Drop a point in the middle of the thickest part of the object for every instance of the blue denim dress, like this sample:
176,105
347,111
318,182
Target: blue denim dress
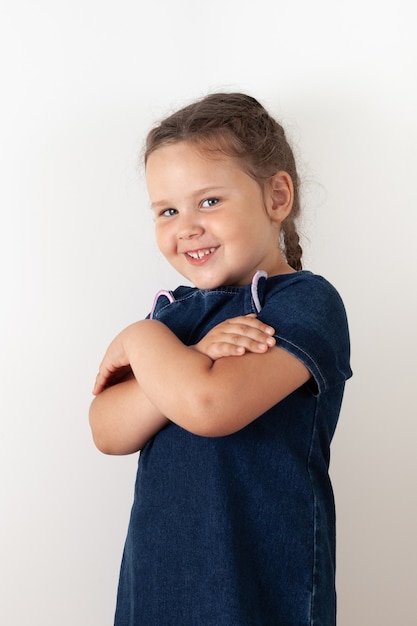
240,530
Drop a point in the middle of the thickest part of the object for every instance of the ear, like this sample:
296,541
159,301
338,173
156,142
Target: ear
280,197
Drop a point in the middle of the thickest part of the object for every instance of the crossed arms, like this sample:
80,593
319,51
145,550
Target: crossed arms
148,377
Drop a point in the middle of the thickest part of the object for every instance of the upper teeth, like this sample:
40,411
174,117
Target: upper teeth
198,254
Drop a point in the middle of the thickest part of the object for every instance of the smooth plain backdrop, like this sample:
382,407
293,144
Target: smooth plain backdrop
81,83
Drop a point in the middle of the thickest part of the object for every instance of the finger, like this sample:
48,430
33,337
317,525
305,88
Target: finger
251,321
108,378
220,350
230,341
253,344
236,344
100,383
103,377
98,387
238,332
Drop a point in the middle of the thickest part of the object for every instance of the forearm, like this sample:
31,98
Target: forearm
122,419
173,375
206,397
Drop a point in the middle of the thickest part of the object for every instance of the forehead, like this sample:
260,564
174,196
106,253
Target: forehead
184,162
189,152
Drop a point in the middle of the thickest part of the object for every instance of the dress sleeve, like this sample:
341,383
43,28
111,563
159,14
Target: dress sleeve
310,322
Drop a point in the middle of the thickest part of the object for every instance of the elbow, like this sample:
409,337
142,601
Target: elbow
216,427
205,418
101,441
113,447
107,439
102,444
211,428
212,431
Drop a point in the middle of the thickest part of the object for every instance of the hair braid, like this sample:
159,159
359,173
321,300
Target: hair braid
291,241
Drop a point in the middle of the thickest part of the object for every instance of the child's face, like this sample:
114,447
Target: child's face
213,222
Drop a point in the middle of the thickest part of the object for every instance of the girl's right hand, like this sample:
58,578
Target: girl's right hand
236,336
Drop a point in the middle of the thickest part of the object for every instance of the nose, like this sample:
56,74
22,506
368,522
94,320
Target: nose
189,226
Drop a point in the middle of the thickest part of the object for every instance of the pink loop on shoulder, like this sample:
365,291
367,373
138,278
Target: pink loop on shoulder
163,292
254,288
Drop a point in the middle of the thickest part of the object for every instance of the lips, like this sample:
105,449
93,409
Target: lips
200,254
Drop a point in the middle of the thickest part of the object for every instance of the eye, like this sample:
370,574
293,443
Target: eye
209,202
168,212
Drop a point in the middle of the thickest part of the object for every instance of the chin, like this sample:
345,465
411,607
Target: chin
206,283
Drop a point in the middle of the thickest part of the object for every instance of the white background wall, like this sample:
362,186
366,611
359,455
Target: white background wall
81,83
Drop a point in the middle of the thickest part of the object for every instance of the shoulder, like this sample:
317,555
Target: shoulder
303,296
301,284
310,321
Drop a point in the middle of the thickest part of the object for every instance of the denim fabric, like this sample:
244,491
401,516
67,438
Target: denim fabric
240,530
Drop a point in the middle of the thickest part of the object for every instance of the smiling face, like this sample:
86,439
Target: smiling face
214,224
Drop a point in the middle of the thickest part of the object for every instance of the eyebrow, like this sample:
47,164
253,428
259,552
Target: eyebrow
198,192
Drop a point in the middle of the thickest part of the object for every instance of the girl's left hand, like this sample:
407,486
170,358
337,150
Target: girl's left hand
235,336
115,366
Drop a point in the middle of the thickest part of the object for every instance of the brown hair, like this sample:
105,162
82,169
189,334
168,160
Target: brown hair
237,125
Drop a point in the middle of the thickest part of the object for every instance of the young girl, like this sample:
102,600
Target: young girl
231,389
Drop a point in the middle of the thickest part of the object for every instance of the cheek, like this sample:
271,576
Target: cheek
163,239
